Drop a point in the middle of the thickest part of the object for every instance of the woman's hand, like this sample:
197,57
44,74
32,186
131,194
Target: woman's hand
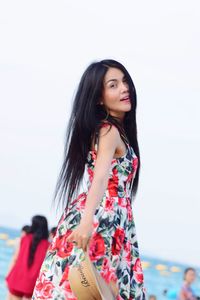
82,233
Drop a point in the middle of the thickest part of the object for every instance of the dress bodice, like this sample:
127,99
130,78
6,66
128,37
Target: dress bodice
121,174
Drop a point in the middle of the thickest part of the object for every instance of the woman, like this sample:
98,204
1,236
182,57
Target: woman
186,292
28,259
102,141
25,230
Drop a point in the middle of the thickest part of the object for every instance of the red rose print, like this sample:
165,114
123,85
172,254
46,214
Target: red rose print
116,264
91,174
96,247
81,201
115,173
113,188
130,176
129,211
137,269
44,288
62,247
122,202
135,163
118,239
113,184
107,272
127,248
109,203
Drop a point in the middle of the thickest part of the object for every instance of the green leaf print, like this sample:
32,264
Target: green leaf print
125,279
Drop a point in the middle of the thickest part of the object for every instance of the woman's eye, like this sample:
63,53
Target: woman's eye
113,85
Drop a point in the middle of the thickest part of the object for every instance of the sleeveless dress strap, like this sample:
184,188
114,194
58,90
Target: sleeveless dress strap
96,141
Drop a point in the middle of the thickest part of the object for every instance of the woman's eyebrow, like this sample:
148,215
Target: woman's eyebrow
114,79
111,80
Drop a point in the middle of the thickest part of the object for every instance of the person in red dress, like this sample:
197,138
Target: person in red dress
28,259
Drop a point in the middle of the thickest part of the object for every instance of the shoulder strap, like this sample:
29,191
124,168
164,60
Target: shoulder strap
96,140
124,138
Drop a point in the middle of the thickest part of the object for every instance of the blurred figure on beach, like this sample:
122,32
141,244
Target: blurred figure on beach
25,229
27,260
152,297
186,292
52,233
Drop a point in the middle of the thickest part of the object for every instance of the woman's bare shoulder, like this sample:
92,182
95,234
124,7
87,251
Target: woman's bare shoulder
109,129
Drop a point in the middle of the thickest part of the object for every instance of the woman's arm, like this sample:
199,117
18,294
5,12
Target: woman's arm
109,139
14,257
108,142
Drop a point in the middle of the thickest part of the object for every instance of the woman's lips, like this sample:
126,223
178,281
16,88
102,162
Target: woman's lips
126,100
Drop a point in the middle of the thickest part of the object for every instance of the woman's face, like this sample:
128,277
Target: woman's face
115,96
190,276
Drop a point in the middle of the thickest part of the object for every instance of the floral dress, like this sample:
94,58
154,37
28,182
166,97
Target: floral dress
113,247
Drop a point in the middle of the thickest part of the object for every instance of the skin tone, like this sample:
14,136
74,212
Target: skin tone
152,298
116,94
189,278
116,102
18,298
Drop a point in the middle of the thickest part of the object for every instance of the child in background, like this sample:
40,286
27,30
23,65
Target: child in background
28,259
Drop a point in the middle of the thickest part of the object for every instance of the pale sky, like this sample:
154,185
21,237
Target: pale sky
45,47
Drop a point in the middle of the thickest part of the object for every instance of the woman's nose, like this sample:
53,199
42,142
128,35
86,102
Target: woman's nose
124,87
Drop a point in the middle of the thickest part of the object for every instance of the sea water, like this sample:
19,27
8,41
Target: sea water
158,274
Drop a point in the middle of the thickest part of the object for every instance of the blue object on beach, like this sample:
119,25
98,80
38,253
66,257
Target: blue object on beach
172,294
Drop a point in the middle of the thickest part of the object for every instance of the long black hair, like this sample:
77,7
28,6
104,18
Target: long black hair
86,116
39,229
